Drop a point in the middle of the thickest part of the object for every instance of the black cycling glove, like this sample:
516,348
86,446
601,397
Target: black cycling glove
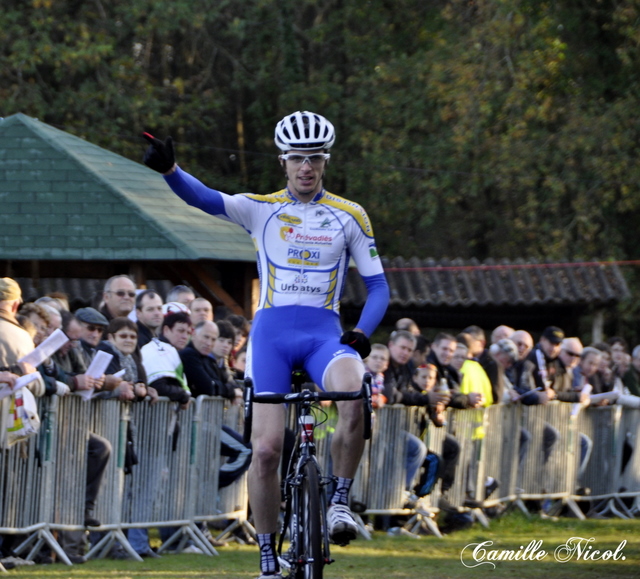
159,156
358,341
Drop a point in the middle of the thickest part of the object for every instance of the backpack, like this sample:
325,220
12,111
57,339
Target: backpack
428,474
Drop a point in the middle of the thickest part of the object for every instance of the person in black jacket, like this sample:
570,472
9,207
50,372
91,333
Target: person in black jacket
149,316
204,375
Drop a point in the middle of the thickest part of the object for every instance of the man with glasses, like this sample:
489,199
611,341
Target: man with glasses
118,298
305,237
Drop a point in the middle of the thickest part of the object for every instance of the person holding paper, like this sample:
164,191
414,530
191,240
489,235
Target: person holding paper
8,378
69,359
122,345
15,341
54,379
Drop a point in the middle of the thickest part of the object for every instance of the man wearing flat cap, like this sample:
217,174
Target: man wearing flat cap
92,324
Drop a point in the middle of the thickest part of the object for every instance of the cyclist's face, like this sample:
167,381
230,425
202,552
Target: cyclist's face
304,180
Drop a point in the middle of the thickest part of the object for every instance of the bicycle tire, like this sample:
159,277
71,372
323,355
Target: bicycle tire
310,525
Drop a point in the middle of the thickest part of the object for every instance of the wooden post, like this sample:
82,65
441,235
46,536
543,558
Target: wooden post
597,329
139,275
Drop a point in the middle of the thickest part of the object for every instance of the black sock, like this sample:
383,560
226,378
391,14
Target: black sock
341,494
268,561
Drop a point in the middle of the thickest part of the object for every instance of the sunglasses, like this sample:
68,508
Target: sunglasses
572,354
91,328
315,159
122,293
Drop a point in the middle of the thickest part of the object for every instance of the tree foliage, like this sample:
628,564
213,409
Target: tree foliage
467,128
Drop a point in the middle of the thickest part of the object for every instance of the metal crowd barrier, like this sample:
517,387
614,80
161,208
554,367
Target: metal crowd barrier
467,427
323,438
175,483
501,450
230,503
551,464
600,423
615,429
26,471
629,441
110,419
71,425
158,491
386,491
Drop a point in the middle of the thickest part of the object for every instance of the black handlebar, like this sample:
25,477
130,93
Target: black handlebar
306,395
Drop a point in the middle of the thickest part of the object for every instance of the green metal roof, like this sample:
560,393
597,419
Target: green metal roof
64,198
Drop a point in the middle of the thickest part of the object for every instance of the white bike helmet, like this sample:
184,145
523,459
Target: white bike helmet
304,130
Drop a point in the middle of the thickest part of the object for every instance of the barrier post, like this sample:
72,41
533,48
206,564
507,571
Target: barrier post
157,493
550,467
426,509
109,419
616,429
386,494
205,459
501,450
26,480
359,489
233,500
468,426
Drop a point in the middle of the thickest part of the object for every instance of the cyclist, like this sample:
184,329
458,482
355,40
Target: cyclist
305,237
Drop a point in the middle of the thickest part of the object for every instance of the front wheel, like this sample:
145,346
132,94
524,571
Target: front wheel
309,513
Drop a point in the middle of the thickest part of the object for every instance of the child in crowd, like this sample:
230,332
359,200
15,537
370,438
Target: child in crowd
376,363
425,377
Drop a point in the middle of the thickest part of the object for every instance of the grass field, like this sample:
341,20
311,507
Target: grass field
404,557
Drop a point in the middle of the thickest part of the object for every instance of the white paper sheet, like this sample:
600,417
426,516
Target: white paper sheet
85,394
21,382
45,350
99,364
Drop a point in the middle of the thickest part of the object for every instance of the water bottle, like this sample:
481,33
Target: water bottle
442,386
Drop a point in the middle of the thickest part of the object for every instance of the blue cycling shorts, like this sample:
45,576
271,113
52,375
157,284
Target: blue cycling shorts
286,338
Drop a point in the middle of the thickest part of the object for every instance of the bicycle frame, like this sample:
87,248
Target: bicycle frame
303,455
309,542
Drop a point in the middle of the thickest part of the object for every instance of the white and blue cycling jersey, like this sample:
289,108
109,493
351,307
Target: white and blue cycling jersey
303,252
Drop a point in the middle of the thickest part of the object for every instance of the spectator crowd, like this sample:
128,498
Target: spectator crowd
173,347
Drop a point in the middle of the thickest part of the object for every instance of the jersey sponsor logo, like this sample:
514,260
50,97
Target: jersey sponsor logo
304,253
373,250
288,233
303,256
312,239
292,219
325,223
294,287
301,278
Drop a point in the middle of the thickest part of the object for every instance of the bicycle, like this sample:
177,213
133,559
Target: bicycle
304,486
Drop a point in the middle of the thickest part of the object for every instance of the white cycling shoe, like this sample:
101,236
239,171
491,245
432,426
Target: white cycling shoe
341,525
